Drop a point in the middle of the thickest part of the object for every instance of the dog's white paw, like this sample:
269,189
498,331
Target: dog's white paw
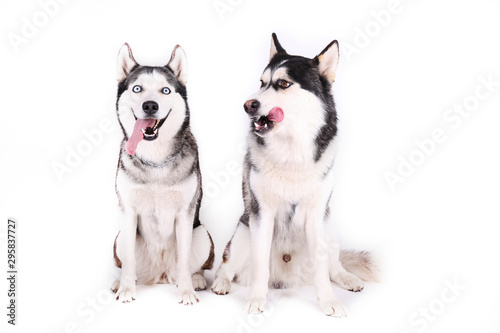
115,286
126,293
255,305
199,282
189,298
333,308
349,281
221,286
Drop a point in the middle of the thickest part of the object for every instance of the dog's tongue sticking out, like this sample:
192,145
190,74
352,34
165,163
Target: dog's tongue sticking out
137,135
276,115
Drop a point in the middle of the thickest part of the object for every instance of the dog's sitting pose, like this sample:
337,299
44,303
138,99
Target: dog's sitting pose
158,182
284,237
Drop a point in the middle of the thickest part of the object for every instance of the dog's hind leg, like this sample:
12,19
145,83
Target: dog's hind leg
202,256
118,264
199,282
235,261
338,272
126,252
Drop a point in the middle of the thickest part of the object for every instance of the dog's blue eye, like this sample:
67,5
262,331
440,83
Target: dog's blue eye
166,91
137,89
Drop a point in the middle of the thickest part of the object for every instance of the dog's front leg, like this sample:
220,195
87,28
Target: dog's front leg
184,235
126,291
261,234
319,251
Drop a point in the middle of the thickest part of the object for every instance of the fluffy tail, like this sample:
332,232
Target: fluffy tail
361,264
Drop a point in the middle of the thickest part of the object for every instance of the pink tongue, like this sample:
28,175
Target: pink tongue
137,134
276,114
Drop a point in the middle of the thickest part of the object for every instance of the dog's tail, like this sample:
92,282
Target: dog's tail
361,264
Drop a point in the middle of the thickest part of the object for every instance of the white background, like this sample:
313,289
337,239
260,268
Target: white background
392,88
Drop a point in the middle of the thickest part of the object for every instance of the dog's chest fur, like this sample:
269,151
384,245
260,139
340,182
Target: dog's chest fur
284,176
158,189
157,194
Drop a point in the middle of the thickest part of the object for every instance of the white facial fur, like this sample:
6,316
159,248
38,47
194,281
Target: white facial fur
302,109
130,104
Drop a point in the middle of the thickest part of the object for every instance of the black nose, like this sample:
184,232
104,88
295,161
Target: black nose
251,106
150,107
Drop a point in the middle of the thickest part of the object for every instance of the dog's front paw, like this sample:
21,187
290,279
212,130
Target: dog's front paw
221,286
126,293
199,282
255,305
349,281
333,308
189,298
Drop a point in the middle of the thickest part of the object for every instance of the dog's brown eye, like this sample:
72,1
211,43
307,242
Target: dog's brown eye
261,83
283,84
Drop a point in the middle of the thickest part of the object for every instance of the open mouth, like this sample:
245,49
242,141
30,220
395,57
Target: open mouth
144,129
151,133
264,124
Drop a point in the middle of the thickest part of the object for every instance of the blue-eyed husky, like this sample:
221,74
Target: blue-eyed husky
158,182
284,236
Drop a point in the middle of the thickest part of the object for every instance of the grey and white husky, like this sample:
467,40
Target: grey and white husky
158,182
284,237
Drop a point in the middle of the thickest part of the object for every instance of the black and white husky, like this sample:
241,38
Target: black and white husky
158,182
284,237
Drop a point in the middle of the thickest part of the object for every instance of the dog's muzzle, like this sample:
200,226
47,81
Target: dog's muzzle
144,129
262,124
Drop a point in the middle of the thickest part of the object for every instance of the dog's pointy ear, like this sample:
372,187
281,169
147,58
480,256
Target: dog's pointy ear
276,47
328,60
177,64
126,62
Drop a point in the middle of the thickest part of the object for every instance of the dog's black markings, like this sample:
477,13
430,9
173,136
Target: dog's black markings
291,213
304,71
245,218
185,144
254,204
327,209
249,161
327,171
169,76
260,140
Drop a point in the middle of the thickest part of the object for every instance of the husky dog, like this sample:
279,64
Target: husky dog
158,182
284,237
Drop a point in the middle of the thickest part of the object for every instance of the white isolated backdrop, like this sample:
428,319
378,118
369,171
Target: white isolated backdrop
435,229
